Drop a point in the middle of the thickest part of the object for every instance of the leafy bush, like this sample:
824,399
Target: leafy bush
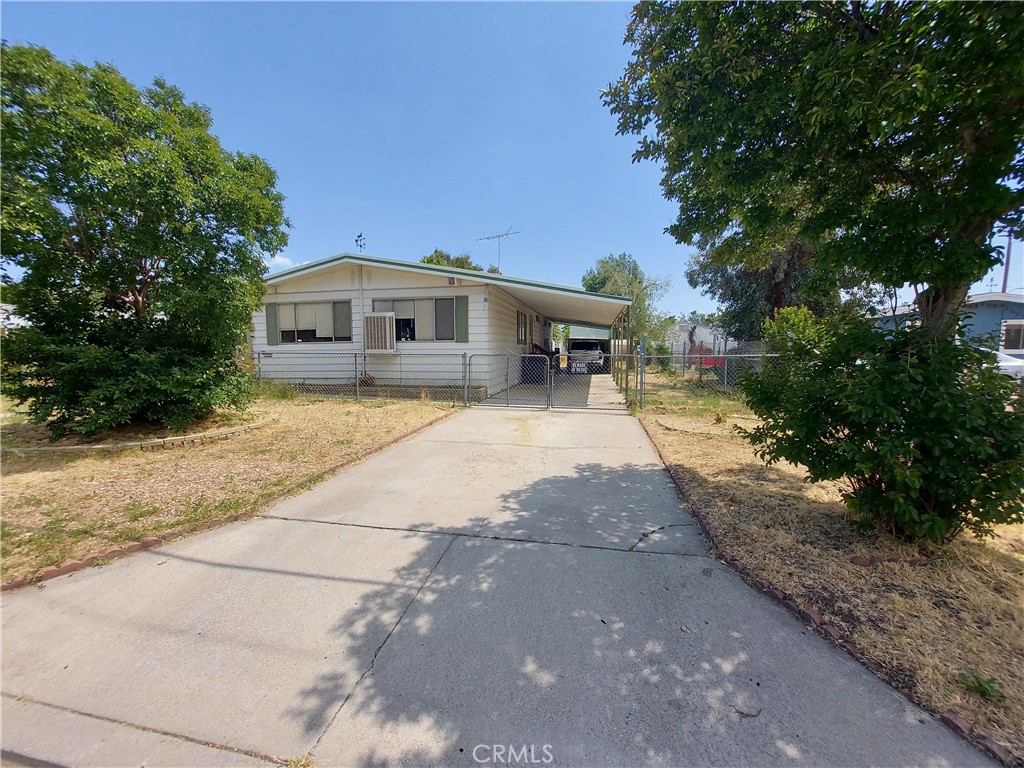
919,427
140,241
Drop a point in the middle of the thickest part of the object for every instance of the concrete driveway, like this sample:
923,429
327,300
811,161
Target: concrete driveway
507,587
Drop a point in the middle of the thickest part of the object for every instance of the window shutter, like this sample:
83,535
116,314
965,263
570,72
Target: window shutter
462,319
343,320
273,334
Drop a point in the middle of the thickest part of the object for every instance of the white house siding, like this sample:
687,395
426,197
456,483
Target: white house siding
502,332
491,328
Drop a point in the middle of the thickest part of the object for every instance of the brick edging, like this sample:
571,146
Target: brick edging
148,445
950,718
132,547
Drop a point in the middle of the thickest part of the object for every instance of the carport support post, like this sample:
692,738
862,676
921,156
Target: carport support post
508,364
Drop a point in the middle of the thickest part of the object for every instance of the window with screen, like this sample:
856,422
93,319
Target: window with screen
420,319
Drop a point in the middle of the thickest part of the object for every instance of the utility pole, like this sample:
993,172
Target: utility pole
498,237
1006,265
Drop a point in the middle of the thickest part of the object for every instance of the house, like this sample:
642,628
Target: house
992,316
354,319
994,320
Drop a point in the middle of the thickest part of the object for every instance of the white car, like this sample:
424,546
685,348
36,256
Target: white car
1009,366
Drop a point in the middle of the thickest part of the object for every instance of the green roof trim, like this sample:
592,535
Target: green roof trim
415,266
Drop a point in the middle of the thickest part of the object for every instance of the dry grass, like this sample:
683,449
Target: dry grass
59,506
931,618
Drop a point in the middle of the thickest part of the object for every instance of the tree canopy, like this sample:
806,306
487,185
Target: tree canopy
622,276
445,259
887,134
750,295
142,243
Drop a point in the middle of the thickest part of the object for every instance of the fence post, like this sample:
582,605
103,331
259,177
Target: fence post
465,378
508,364
549,378
626,378
642,390
355,365
728,384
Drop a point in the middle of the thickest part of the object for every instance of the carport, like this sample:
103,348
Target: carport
544,379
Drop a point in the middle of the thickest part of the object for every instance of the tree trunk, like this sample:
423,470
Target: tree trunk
940,310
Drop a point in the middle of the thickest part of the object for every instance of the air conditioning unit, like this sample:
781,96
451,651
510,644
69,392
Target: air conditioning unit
379,332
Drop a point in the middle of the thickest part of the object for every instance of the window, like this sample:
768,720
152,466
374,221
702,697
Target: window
420,319
1013,335
315,321
521,329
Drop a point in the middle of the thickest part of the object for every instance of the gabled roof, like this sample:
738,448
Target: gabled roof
995,296
560,303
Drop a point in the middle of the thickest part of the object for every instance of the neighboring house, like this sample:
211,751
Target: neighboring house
991,319
997,315
417,324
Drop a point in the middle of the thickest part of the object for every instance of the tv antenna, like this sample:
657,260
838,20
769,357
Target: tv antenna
360,242
498,237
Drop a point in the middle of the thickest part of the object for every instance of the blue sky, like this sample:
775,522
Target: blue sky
419,125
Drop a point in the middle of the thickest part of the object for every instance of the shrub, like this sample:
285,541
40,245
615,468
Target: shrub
920,427
140,241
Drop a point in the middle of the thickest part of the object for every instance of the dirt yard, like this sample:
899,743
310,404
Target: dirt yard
946,624
62,506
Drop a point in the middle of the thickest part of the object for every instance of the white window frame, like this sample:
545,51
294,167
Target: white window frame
521,328
1018,326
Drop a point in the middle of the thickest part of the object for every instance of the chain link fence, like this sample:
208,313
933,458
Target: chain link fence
711,373
437,377
595,381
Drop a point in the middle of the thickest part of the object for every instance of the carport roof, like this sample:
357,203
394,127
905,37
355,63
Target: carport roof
560,303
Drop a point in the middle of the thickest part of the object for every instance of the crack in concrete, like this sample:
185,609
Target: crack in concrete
462,534
380,647
145,728
645,534
742,713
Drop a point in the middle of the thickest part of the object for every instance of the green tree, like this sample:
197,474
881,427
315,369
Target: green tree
749,295
707,319
622,276
445,259
889,134
142,245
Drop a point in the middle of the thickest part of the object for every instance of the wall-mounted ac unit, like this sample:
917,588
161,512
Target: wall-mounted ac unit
379,332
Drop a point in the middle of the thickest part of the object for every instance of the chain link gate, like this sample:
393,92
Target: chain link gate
577,381
510,379
594,381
